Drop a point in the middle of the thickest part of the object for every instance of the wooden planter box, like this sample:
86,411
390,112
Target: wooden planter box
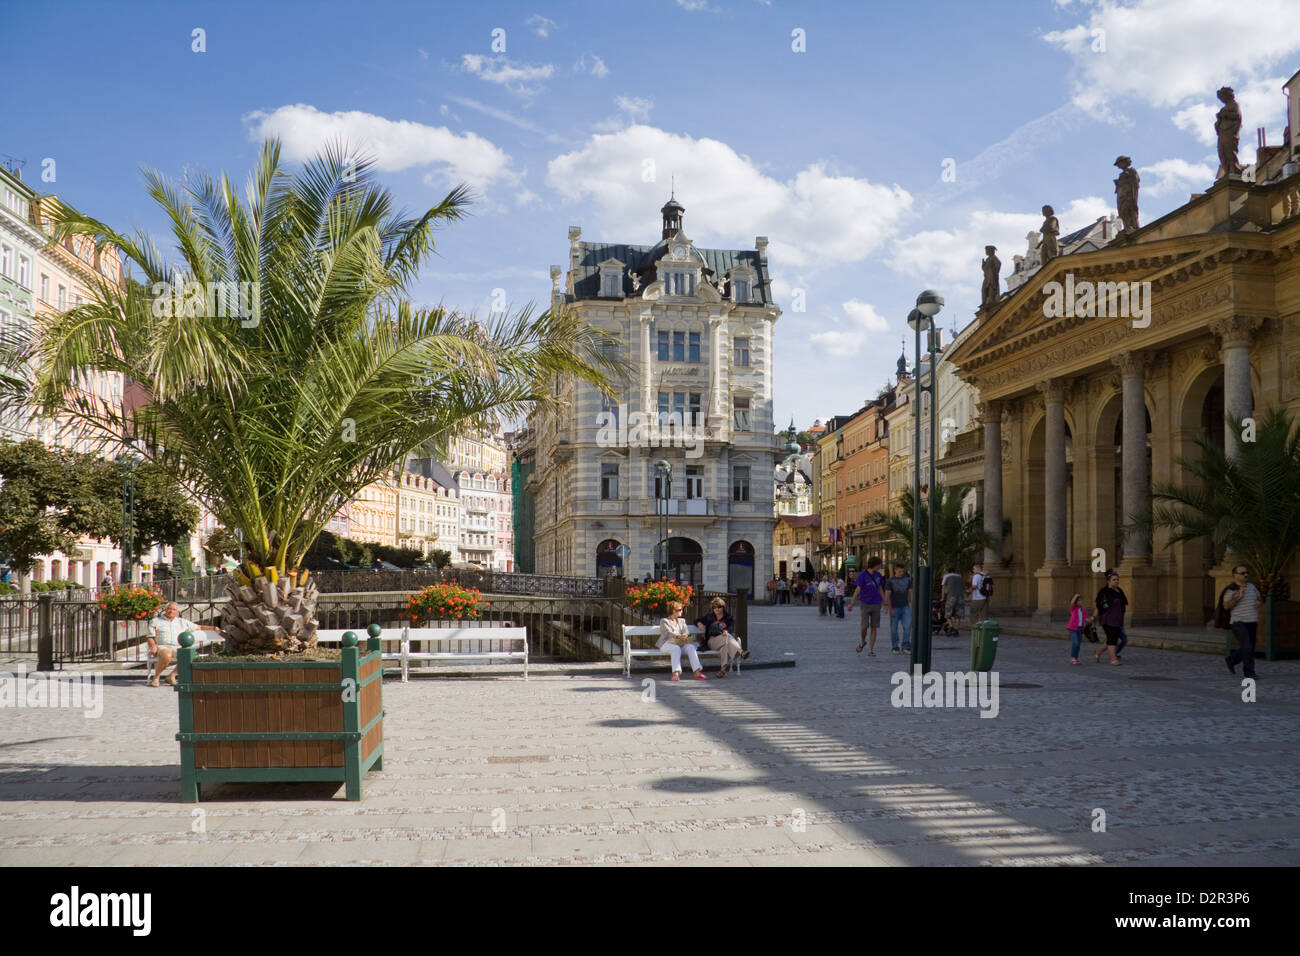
255,721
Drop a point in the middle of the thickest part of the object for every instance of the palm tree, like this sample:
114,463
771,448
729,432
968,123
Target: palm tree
320,384
1248,504
959,538
15,345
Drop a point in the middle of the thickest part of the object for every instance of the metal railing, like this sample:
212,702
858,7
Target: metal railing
58,633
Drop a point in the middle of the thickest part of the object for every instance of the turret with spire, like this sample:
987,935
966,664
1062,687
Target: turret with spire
672,212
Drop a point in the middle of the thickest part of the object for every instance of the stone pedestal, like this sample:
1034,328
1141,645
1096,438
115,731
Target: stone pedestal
1141,582
1056,585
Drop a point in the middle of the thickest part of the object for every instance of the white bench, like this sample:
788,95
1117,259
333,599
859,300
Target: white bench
630,652
442,635
454,635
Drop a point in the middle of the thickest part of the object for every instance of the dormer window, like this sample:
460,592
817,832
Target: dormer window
611,279
740,290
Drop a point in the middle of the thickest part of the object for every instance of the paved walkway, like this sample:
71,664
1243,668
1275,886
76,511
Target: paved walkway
804,765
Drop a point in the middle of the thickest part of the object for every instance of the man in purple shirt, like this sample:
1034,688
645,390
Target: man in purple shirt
869,591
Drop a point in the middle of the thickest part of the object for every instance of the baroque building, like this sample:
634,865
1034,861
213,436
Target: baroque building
696,327
1082,412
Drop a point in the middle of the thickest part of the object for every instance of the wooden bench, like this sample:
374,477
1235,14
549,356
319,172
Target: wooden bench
442,635
630,652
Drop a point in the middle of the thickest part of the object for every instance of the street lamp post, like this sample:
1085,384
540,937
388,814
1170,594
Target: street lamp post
664,469
921,319
128,515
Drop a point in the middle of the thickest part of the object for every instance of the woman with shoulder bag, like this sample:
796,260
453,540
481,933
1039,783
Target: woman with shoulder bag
720,629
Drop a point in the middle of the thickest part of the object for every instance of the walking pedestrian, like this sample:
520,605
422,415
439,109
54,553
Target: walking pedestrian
1242,600
782,591
979,602
868,590
1111,603
822,604
954,604
898,599
1078,620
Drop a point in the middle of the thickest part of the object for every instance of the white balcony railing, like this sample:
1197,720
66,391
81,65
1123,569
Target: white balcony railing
682,506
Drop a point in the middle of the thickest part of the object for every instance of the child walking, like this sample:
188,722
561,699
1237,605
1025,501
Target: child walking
1078,619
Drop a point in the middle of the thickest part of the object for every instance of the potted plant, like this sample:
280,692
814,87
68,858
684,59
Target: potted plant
653,598
444,602
282,370
131,602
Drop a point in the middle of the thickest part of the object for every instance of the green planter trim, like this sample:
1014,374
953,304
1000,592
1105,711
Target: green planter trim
351,735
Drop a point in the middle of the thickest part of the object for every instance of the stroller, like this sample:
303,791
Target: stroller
939,620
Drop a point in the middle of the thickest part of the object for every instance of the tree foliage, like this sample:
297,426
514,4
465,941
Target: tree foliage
959,538
1248,503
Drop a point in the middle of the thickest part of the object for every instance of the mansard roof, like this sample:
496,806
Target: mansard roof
641,259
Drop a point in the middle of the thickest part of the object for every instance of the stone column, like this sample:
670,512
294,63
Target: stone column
1054,473
1135,482
647,364
990,413
1235,333
716,362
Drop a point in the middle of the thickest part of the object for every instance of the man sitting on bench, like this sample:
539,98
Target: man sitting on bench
164,638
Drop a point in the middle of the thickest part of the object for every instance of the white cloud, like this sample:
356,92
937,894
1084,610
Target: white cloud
394,144
814,219
696,6
1262,104
1163,52
950,258
592,64
516,77
424,54
631,109
1175,176
540,24
849,336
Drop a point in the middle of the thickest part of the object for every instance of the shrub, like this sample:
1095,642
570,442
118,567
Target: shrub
131,601
444,602
56,584
655,597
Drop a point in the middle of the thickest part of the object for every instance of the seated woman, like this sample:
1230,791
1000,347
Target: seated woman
719,628
673,634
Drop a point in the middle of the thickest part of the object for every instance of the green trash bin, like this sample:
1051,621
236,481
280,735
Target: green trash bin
983,645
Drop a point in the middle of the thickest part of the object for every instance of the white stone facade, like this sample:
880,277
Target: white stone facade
696,327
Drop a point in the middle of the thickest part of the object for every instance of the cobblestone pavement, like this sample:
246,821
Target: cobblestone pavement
804,765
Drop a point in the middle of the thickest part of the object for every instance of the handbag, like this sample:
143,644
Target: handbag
1090,632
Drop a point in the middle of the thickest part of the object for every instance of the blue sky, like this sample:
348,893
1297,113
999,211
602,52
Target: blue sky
835,153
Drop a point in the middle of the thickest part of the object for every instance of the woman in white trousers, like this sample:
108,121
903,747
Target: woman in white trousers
674,635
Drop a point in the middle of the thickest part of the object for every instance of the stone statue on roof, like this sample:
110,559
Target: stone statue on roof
1050,229
1126,193
1227,126
636,280
992,270
722,285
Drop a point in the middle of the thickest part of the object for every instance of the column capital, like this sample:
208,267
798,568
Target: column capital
647,316
1053,389
990,410
1236,331
1131,364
